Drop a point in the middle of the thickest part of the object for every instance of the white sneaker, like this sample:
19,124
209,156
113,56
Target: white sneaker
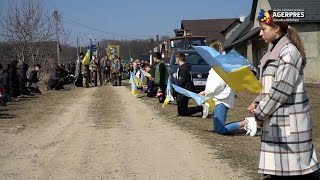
251,127
205,111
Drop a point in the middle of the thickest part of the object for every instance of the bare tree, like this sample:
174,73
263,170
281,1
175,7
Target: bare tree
27,28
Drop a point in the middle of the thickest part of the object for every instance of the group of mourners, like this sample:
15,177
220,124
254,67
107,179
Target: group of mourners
17,79
215,89
60,76
99,71
157,82
282,109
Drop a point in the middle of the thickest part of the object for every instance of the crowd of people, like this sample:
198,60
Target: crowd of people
19,79
156,84
215,89
15,81
99,71
281,110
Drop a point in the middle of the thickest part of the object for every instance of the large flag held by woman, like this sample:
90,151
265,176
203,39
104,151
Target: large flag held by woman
232,68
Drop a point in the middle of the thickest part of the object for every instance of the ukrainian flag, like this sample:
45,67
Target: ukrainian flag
145,73
136,79
198,98
87,59
133,84
169,96
143,79
232,68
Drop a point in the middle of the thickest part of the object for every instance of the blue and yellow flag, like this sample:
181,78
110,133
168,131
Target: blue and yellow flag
232,68
87,59
136,79
146,73
143,80
133,84
198,98
169,96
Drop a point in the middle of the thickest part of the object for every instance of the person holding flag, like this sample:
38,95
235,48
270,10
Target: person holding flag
224,97
184,80
85,66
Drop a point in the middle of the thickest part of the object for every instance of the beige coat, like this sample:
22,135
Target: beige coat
284,110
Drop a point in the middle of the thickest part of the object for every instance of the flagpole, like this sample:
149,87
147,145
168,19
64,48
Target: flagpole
243,100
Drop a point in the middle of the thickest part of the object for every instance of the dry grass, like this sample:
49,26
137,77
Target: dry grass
239,150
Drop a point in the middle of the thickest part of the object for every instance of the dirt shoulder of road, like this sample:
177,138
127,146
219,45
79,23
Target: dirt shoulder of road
239,150
29,110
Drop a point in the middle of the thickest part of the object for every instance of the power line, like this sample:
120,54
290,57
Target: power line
106,32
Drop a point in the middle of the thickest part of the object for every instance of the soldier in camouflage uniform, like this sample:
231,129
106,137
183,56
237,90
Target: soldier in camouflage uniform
85,74
94,69
115,69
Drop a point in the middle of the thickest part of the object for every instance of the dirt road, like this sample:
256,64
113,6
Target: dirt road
103,133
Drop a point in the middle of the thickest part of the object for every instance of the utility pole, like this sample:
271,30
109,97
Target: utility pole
152,51
77,46
80,43
129,54
56,16
158,42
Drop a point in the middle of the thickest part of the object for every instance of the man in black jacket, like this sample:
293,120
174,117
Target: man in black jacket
13,80
33,80
23,79
184,80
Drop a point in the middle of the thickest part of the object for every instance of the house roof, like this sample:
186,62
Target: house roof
311,8
238,32
248,35
230,27
211,28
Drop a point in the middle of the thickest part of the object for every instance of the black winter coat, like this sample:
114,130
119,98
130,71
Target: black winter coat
33,77
22,72
13,81
184,79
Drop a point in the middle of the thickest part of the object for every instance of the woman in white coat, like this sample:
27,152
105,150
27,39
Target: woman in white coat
224,97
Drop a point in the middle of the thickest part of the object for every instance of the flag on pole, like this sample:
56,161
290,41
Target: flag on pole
88,57
169,96
232,68
143,80
133,84
198,98
146,73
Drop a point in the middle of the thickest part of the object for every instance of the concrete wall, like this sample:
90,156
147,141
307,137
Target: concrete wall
310,35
